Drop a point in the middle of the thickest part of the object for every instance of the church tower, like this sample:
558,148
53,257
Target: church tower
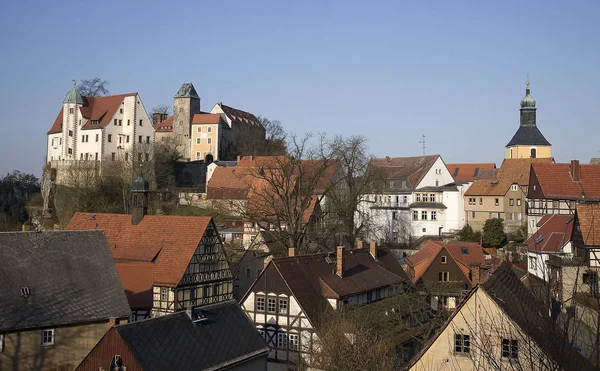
185,105
528,141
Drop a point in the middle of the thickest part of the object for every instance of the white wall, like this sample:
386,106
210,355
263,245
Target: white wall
429,180
54,148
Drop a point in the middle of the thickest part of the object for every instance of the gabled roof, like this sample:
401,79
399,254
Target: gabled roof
556,182
588,217
468,172
225,337
206,118
166,126
167,241
100,109
422,259
240,117
70,275
554,232
528,136
512,171
312,279
412,169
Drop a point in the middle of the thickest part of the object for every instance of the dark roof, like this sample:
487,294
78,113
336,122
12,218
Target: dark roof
174,342
427,205
528,135
511,295
187,90
412,169
71,277
447,187
468,172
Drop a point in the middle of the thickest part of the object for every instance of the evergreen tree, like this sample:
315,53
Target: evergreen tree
493,232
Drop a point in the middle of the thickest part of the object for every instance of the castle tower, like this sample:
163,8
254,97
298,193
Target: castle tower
140,188
185,105
528,141
71,122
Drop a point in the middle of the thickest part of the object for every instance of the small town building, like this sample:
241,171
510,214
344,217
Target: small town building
500,325
166,263
291,296
214,337
553,236
59,294
528,141
448,270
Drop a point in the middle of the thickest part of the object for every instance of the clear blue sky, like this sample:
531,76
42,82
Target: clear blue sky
390,70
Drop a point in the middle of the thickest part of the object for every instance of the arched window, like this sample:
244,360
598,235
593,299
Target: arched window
533,153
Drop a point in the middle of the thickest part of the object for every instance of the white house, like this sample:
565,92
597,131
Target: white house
418,197
100,129
554,236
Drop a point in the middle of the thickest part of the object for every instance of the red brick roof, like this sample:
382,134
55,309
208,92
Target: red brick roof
165,126
588,217
467,172
95,108
554,233
512,171
168,242
556,183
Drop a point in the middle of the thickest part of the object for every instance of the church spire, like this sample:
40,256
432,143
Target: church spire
528,108
73,96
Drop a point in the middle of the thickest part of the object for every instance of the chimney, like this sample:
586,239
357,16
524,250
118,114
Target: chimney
475,273
575,171
340,261
291,252
359,244
373,250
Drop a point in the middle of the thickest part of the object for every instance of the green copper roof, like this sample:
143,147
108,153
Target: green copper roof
73,96
187,91
528,101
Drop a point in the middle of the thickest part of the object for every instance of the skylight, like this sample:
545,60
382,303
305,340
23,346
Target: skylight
539,238
464,251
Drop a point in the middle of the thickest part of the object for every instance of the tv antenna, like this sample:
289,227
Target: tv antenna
423,144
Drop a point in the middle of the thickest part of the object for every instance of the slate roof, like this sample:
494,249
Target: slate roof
528,135
512,171
555,181
468,172
554,232
174,342
312,279
70,274
167,241
412,169
94,108
588,217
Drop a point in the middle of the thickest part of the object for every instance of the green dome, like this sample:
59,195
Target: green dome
528,101
73,96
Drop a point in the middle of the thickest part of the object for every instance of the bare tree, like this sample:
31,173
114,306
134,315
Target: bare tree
94,87
270,142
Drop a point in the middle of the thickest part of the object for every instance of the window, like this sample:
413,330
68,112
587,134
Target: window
120,122
432,197
283,306
140,139
434,215
424,230
121,110
496,201
415,215
394,215
147,140
481,201
405,199
164,294
109,138
126,156
209,140
511,216
260,304
418,197
471,201
128,122
199,129
443,259
127,139
510,348
555,204
518,202
115,122
47,337
511,202
533,153
425,198
120,139
97,137
462,343
444,276
423,215
96,156
514,187
294,342
282,340
113,156
464,251
70,151
197,155
473,214
248,272
70,133
71,110
271,305
180,110
197,140
141,122
209,129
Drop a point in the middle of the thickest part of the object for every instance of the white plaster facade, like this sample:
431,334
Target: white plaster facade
537,261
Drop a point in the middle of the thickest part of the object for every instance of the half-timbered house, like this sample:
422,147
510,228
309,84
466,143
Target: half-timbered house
166,263
289,299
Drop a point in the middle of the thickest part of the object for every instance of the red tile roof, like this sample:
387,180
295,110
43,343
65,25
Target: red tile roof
412,169
588,217
95,108
556,183
554,233
165,126
168,242
241,117
512,171
467,172
206,118
137,280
